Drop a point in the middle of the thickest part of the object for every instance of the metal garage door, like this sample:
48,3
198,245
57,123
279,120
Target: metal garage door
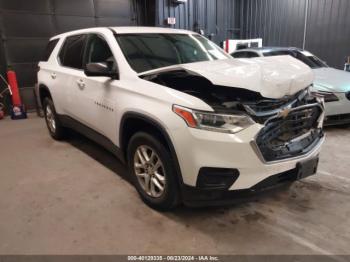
26,27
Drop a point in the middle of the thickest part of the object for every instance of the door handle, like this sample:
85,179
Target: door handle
81,83
53,76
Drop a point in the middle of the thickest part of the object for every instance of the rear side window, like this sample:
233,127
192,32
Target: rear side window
71,54
49,48
239,55
277,53
252,55
245,55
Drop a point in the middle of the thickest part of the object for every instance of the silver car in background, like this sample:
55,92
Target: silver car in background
329,82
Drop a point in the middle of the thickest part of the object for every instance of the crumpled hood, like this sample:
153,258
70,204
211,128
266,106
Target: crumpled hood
272,77
331,80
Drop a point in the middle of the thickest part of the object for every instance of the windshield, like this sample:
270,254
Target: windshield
304,56
146,52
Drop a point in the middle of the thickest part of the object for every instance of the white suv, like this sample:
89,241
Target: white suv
193,124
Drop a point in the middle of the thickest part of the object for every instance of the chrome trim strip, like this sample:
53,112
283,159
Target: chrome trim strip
296,109
296,139
275,111
268,113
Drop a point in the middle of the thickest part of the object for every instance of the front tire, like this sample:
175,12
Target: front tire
153,173
56,130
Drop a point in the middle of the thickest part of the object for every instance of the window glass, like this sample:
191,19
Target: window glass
49,48
72,51
280,52
305,57
252,55
239,55
98,50
245,55
311,60
145,52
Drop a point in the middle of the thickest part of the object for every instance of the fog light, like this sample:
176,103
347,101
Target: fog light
216,178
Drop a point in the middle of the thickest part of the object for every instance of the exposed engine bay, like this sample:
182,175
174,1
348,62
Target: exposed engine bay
292,124
220,98
228,100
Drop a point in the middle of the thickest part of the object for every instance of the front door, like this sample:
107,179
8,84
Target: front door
95,95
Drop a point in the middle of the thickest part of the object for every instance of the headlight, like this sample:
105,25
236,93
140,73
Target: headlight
328,96
212,121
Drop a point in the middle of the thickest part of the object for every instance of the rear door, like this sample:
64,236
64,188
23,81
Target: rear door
70,70
47,69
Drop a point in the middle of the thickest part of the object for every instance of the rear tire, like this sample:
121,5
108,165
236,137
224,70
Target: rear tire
153,172
56,130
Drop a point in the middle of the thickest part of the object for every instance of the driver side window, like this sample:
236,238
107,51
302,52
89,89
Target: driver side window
98,51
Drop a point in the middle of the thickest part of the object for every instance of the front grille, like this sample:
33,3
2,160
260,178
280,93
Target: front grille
290,135
263,110
267,105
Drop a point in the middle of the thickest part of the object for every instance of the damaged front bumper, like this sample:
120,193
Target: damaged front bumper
220,168
198,197
251,173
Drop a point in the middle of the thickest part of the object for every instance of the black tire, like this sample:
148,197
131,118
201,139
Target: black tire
58,132
170,197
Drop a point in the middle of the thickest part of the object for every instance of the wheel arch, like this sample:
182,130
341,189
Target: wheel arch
43,92
133,122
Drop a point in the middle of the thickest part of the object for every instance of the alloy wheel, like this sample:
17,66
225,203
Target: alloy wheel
50,119
149,171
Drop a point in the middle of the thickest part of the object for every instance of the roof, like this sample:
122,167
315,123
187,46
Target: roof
144,29
269,49
128,30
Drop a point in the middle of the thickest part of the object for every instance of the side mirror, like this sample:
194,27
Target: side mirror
101,69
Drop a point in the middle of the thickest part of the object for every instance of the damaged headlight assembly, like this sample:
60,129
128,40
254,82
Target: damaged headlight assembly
223,123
